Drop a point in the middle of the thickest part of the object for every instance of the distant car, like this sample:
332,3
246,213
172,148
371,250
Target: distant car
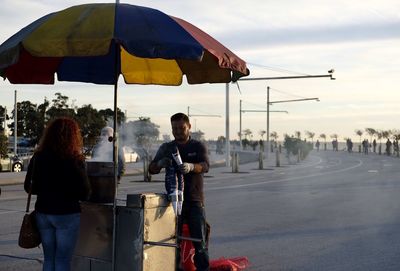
130,155
14,164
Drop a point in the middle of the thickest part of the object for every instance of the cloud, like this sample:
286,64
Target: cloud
261,38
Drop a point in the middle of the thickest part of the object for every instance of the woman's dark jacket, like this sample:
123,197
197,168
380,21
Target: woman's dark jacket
59,183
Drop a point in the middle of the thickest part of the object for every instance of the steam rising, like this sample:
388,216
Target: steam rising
103,151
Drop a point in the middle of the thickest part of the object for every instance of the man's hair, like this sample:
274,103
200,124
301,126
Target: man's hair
180,116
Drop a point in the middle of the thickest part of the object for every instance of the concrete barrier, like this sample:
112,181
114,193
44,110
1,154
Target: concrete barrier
278,162
235,162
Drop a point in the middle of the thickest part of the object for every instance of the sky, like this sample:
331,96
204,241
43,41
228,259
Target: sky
360,40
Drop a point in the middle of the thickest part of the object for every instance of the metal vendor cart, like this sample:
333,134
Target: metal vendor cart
145,229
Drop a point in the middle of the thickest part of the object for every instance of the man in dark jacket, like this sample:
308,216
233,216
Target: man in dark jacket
195,162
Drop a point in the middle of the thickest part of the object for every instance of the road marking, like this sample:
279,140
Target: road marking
372,171
9,212
13,198
288,179
277,170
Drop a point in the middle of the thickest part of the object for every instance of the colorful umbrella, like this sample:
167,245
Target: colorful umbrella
96,43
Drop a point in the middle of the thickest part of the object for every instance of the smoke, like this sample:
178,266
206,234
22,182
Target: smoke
127,141
103,151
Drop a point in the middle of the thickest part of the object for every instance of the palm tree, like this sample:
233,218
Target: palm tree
323,136
359,133
310,135
386,134
371,132
298,134
395,134
274,135
379,135
334,136
247,132
262,133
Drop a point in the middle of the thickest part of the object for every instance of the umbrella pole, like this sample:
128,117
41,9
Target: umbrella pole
115,160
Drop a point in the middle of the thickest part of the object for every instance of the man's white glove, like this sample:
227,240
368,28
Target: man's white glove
164,162
180,202
173,198
186,168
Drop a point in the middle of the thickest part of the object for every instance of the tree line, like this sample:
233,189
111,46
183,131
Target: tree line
32,118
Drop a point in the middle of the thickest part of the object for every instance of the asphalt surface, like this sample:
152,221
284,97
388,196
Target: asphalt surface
332,211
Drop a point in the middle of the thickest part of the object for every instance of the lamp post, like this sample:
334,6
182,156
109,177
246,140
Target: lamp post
15,123
204,115
201,115
4,118
281,101
243,111
329,75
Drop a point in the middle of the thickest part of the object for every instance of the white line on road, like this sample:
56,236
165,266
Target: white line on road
288,179
10,212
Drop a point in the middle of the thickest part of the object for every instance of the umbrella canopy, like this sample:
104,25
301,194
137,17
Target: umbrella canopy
96,43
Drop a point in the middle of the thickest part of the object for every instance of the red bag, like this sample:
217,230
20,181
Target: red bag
187,251
232,264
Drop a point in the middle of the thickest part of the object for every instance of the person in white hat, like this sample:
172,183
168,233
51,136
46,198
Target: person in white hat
103,150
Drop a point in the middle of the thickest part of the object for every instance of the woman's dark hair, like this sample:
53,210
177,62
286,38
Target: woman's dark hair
62,136
180,116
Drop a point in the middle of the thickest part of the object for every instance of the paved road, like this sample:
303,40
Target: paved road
333,211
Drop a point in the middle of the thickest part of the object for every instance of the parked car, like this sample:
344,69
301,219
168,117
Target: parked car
130,155
13,163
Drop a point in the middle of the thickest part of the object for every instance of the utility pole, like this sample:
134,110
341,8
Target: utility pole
282,101
267,143
15,123
197,115
228,143
330,75
267,111
240,125
5,118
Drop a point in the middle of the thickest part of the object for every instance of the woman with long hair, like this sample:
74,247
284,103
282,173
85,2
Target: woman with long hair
59,179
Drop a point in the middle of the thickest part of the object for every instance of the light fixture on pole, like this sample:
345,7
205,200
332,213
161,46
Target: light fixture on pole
243,111
281,101
329,75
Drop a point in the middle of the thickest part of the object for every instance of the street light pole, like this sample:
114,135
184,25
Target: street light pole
267,143
228,143
282,101
243,111
330,73
15,123
297,100
240,125
5,118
